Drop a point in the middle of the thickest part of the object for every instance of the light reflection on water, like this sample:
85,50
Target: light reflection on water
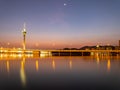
53,64
108,65
22,72
37,65
8,67
60,72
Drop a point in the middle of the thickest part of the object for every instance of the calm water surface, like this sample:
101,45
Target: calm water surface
64,73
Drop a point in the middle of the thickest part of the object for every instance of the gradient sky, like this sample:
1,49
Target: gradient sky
59,23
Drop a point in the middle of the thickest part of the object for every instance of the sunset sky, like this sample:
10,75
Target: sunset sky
53,24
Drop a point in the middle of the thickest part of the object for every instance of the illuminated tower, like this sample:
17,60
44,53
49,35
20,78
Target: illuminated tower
24,37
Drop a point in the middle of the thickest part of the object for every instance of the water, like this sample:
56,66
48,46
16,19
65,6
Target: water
63,73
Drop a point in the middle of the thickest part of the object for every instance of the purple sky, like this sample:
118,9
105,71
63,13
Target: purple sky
59,23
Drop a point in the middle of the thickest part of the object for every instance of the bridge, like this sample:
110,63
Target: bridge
81,52
37,52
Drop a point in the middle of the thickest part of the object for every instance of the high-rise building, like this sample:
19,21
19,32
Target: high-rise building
24,37
119,43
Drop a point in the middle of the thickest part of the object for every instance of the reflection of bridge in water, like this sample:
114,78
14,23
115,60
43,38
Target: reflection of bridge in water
41,66
61,52
52,62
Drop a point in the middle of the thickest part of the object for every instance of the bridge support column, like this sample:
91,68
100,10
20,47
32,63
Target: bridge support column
59,53
82,53
70,52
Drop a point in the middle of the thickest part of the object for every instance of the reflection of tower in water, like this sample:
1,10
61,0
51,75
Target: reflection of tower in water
22,72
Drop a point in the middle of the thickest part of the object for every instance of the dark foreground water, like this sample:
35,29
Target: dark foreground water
60,73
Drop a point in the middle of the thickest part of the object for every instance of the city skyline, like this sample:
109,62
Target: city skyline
59,23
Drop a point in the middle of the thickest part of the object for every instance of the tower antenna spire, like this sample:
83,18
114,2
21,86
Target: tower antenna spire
24,28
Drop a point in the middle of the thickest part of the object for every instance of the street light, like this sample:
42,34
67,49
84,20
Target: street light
97,46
